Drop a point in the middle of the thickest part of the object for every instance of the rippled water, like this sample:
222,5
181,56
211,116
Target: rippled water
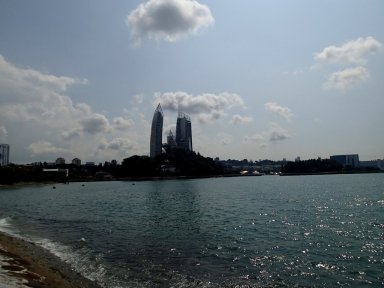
317,231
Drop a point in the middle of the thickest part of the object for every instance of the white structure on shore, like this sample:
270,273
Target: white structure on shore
4,154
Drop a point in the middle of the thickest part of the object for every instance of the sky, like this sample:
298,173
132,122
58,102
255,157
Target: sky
260,79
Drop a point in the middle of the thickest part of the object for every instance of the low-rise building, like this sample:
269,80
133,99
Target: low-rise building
348,161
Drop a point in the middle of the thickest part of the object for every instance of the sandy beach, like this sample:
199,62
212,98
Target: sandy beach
24,264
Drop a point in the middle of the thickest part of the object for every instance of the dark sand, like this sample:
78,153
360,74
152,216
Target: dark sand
37,266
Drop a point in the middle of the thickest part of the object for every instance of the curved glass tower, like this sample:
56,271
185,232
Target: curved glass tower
156,132
184,132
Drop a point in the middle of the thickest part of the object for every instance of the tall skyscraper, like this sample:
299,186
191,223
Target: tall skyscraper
4,154
184,132
156,132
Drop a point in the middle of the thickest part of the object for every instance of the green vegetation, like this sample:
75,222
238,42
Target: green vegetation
312,166
173,164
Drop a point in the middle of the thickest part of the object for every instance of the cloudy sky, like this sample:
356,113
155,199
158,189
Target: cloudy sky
259,79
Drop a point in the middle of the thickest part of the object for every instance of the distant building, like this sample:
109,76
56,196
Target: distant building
184,132
171,143
60,161
351,161
76,161
156,133
4,154
377,164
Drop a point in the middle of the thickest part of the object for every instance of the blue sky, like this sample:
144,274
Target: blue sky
259,79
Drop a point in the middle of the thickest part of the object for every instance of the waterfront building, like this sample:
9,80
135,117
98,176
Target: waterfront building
184,132
76,161
351,160
376,164
60,161
156,132
4,154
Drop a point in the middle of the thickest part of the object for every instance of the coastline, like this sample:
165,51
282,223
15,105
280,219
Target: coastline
30,265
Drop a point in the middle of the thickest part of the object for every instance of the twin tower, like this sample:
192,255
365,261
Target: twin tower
183,139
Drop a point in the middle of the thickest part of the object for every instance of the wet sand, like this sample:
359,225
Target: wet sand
36,267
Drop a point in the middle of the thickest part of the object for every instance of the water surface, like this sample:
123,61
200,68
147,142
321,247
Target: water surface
305,231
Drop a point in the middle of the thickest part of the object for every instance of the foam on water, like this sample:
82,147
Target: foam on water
78,260
6,280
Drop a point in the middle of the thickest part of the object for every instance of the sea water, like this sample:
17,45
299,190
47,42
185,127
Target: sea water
269,231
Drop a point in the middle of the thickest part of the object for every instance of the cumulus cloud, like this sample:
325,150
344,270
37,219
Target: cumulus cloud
352,52
46,148
273,134
95,123
355,52
238,119
276,133
207,106
121,123
118,144
22,75
37,102
72,133
168,20
280,110
345,79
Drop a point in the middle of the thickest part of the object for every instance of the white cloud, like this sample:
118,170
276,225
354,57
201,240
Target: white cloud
71,134
52,125
3,133
207,106
23,76
168,20
273,134
95,123
352,52
238,119
120,144
346,79
276,133
280,110
121,123
355,52
46,148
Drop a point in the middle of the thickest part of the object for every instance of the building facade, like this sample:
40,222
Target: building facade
351,161
171,143
76,161
4,154
156,133
184,132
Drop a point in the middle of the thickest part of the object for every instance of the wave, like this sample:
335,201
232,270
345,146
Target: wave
6,227
82,259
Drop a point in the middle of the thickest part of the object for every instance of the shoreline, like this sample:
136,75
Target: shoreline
30,265
162,178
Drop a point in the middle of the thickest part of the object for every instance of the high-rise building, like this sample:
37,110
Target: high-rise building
156,132
4,154
184,132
